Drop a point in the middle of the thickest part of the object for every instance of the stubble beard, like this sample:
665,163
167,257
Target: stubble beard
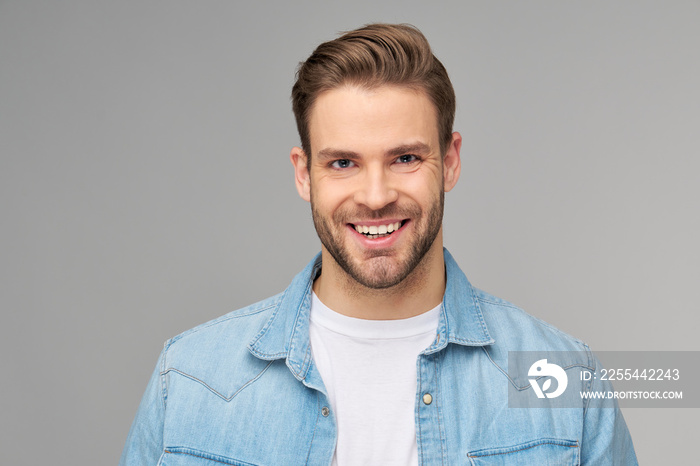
380,271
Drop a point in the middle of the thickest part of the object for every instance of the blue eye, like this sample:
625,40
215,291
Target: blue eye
408,158
342,163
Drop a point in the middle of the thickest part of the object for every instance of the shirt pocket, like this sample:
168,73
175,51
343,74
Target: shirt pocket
181,456
542,452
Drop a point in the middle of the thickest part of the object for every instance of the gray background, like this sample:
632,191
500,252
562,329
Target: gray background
146,186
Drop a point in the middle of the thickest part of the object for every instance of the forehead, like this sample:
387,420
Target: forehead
365,120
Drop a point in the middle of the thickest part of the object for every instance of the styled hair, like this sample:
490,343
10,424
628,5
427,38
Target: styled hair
371,56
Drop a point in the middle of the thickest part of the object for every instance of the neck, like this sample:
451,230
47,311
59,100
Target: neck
419,292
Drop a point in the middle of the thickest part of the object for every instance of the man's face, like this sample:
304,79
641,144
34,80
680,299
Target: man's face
376,181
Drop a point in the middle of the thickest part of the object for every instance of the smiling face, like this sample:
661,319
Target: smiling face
376,181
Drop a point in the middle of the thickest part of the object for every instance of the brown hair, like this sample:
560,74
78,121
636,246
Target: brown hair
374,55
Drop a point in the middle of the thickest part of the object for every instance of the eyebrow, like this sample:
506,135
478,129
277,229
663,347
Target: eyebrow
329,153
418,148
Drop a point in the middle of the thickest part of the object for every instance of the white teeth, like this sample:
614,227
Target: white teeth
378,229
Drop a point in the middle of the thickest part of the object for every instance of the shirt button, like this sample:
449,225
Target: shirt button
325,411
427,398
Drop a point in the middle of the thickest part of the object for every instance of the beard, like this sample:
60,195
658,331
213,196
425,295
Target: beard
381,269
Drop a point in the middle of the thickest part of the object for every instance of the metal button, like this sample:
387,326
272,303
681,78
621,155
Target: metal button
325,411
427,398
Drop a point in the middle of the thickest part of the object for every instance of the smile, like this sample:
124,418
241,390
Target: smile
378,231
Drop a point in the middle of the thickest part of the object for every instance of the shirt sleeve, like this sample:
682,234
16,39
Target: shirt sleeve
144,444
606,439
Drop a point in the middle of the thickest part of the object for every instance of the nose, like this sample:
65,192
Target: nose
376,188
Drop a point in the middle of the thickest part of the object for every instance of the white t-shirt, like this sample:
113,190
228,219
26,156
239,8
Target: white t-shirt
369,370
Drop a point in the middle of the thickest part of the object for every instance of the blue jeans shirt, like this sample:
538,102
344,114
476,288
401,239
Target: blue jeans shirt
243,390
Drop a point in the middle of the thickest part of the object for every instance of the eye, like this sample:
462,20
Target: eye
342,163
407,158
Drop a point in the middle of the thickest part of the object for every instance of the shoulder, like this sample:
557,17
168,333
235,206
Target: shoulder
214,356
227,335
516,330
521,339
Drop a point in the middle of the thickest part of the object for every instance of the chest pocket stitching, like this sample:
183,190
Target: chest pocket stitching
525,447
215,392
204,456
525,387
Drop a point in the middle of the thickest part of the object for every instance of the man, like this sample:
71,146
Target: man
380,351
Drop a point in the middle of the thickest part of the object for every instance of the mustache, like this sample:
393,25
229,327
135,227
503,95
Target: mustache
389,211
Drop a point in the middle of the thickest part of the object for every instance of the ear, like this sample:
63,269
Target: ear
452,163
301,173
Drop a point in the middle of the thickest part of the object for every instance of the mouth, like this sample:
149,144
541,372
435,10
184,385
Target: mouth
378,231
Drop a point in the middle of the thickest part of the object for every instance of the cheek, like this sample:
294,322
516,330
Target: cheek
423,189
330,192
324,201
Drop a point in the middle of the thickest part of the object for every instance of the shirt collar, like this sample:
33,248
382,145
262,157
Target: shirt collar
286,333
461,322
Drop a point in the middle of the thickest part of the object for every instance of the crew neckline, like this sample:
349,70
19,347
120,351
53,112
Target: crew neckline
326,317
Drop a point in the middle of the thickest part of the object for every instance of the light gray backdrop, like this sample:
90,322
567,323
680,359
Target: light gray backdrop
146,187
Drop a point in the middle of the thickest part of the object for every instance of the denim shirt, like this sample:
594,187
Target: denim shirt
244,390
